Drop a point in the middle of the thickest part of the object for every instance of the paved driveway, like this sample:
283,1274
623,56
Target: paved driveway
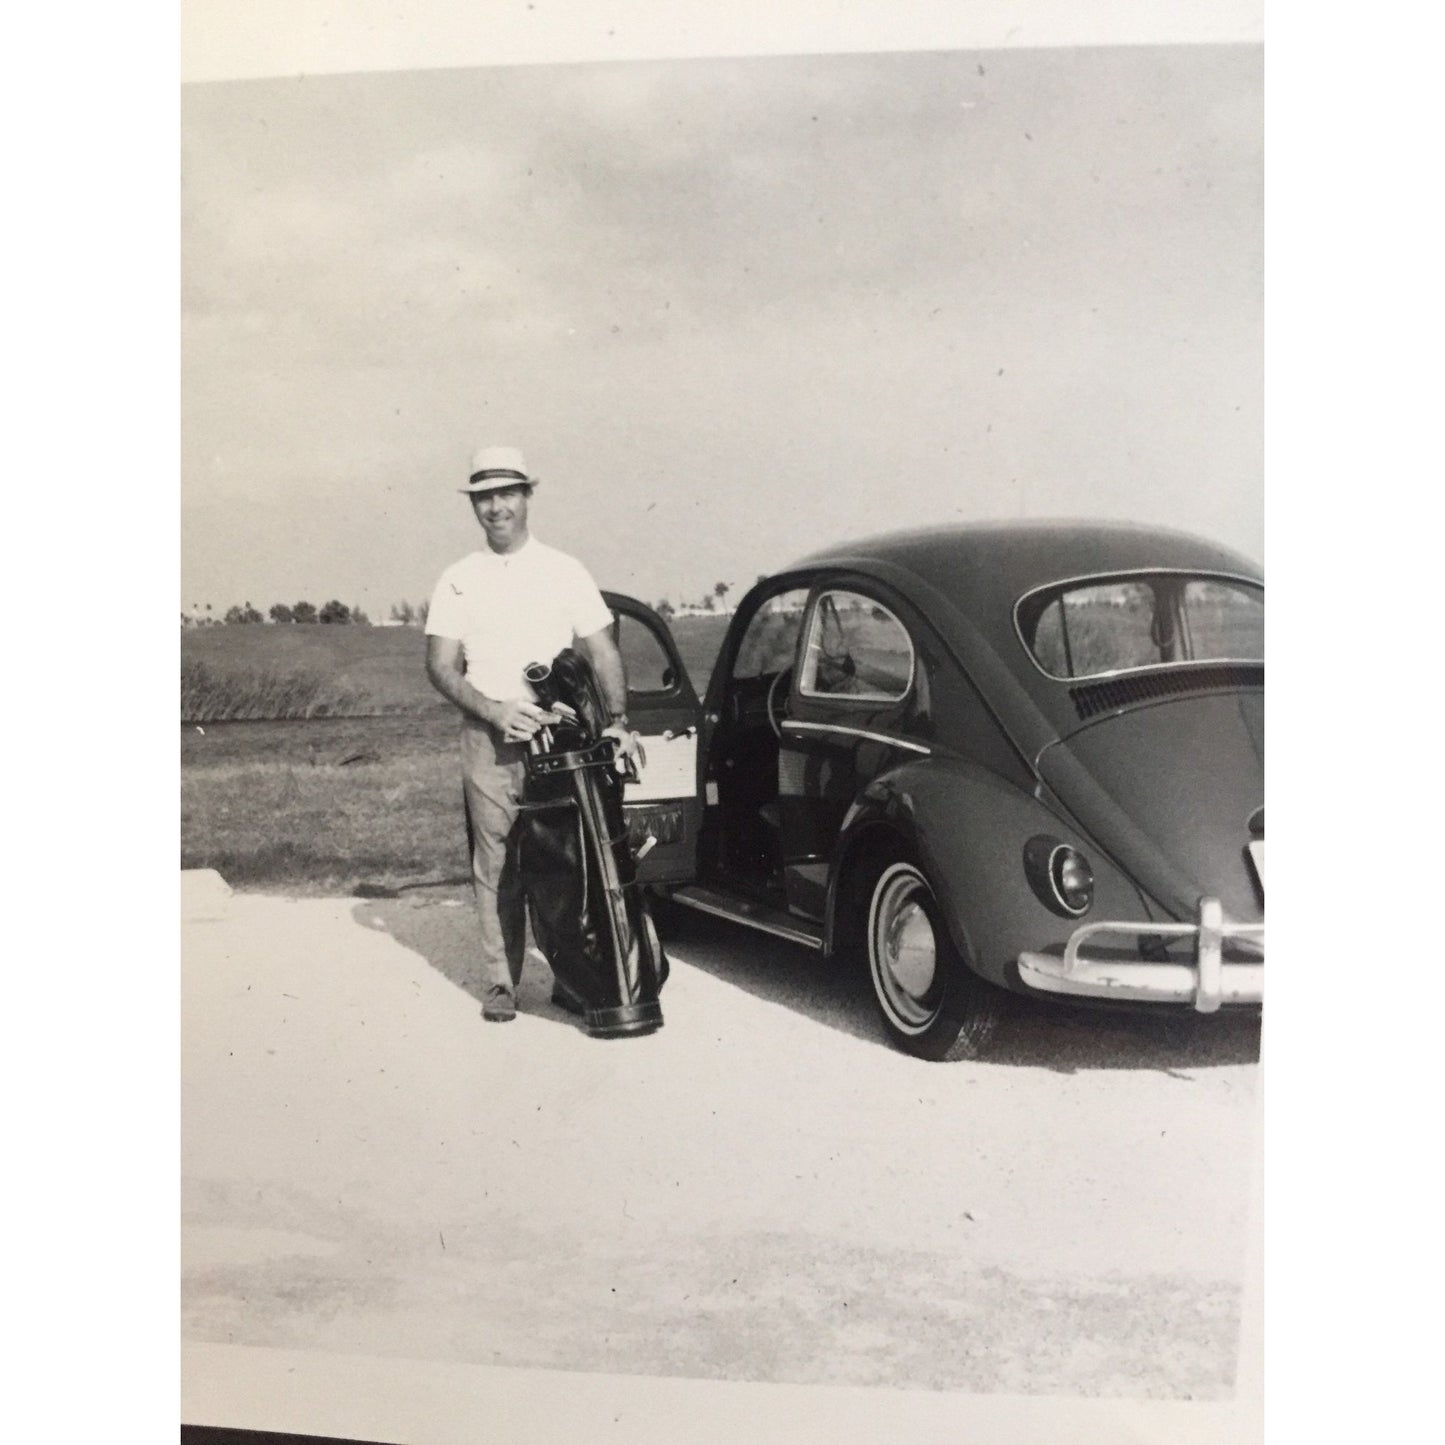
761,1191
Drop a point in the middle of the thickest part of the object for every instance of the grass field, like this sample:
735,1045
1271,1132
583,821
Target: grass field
343,671
329,803
332,671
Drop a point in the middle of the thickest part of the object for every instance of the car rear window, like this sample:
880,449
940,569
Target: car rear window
1100,626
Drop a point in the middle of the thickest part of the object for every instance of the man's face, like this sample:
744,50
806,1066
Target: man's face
503,515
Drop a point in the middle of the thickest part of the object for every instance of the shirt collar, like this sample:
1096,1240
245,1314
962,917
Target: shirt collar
505,559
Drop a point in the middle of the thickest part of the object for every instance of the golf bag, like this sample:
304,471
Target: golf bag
588,913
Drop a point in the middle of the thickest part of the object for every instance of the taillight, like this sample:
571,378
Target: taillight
1060,875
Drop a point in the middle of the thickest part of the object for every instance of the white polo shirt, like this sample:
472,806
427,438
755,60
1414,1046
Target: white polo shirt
510,609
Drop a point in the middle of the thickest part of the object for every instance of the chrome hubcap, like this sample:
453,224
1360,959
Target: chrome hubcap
903,949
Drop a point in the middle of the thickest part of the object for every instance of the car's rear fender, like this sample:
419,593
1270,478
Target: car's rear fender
967,828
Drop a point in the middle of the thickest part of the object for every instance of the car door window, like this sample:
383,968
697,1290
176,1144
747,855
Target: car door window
771,641
856,648
648,667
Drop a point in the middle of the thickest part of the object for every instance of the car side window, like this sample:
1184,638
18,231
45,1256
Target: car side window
1224,620
771,641
1094,628
1099,628
856,648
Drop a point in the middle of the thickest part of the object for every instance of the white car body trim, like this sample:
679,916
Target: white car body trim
794,725
705,902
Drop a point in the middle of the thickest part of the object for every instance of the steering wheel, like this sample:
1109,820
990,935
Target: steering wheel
772,694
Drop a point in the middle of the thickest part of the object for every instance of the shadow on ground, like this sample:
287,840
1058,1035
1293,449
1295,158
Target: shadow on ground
439,925
1031,1035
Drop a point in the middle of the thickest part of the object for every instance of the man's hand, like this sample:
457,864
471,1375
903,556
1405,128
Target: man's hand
629,747
517,719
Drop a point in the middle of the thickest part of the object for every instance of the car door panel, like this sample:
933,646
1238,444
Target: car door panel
663,708
741,848
817,782
851,707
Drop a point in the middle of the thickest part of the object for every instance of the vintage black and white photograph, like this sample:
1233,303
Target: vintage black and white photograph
722,734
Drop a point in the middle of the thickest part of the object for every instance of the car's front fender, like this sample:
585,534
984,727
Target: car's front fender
967,828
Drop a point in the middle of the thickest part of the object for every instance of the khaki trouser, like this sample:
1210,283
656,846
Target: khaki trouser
492,778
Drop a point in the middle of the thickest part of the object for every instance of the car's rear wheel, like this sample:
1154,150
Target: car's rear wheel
932,1004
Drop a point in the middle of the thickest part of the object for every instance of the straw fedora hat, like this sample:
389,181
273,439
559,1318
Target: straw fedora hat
494,467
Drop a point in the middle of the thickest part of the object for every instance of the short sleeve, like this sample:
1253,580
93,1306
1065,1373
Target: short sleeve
589,612
444,611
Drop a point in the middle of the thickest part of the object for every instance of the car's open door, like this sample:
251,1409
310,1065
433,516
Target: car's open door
663,707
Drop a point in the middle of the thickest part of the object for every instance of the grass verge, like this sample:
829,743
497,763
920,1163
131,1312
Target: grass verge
324,807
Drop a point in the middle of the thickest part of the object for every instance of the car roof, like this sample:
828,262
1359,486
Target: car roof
966,579
1008,559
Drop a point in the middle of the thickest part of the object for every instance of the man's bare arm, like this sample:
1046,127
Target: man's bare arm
515,718
606,662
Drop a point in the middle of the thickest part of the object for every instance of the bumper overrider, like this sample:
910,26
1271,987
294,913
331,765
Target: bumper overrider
1205,983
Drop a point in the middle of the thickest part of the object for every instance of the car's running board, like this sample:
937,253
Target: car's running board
756,915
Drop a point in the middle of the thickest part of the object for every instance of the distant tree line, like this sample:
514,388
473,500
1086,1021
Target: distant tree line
333,613
709,602
409,614
401,614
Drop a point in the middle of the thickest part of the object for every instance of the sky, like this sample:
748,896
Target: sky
731,309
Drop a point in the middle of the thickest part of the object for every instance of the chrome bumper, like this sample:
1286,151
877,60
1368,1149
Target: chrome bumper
1205,984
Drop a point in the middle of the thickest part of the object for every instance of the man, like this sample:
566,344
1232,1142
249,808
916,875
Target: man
510,603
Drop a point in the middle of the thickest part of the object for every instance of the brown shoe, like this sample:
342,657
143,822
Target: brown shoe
500,1005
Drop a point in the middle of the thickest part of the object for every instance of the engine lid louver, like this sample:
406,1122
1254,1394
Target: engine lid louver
1093,698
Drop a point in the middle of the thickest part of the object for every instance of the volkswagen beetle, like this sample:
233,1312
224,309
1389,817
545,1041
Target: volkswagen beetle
1017,758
